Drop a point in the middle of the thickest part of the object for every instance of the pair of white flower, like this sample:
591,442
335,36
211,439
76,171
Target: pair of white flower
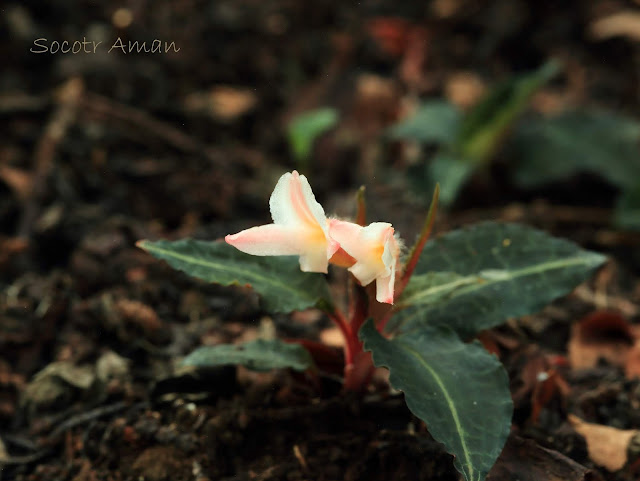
301,228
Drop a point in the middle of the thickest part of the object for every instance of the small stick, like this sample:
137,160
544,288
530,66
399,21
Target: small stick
103,106
68,100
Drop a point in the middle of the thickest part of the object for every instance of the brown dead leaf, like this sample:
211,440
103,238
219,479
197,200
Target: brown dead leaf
138,313
20,181
332,336
632,365
524,460
607,446
541,383
10,246
446,8
376,104
600,335
464,89
625,23
390,34
222,101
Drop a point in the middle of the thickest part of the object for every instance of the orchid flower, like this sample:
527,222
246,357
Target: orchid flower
299,227
375,250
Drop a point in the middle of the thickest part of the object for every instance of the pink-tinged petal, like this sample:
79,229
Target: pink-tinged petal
300,227
385,287
375,250
346,234
268,240
333,246
362,243
293,203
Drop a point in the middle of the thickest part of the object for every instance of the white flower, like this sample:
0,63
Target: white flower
299,227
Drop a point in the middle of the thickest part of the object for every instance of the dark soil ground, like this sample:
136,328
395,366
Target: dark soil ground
101,149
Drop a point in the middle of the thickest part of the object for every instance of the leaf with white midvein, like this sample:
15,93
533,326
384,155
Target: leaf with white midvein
459,390
476,278
258,355
281,284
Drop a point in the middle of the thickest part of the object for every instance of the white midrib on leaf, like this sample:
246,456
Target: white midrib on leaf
234,271
478,281
450,403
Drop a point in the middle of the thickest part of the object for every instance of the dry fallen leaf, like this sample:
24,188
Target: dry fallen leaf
541,383
222,102
524,460
464,88
625,23
332,336
600,335
632,365
607,446
19,180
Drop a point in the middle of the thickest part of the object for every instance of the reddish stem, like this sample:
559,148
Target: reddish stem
414,255
359,314
337,317
416,250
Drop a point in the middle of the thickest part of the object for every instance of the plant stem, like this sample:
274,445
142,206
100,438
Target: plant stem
414,256
416,250
337,317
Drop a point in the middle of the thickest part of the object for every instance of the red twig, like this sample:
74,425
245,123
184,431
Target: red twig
416,250
414,255
337,317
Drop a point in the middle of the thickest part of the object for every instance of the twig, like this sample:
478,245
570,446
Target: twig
86,417
20,102
63,116
105,107
414,255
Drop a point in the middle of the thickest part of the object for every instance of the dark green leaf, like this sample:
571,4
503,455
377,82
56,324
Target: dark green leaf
436,121
552,149
460,390
258,355
627,214
278,280
485,125
451,173
303,130
504,270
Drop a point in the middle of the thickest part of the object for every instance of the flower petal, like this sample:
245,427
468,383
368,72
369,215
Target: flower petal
300,227
268,240
314,261
375,251
365,245
385,287
293,203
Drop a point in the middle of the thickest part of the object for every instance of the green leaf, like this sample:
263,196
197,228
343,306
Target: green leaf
434,286
459,390
627,213
501,271
451,173
436,121
258,355
552,149
483,128
303,130
278,280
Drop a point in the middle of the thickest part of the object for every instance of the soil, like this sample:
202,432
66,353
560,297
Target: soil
102,148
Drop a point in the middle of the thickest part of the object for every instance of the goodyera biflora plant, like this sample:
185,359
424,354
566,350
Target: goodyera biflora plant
416,315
